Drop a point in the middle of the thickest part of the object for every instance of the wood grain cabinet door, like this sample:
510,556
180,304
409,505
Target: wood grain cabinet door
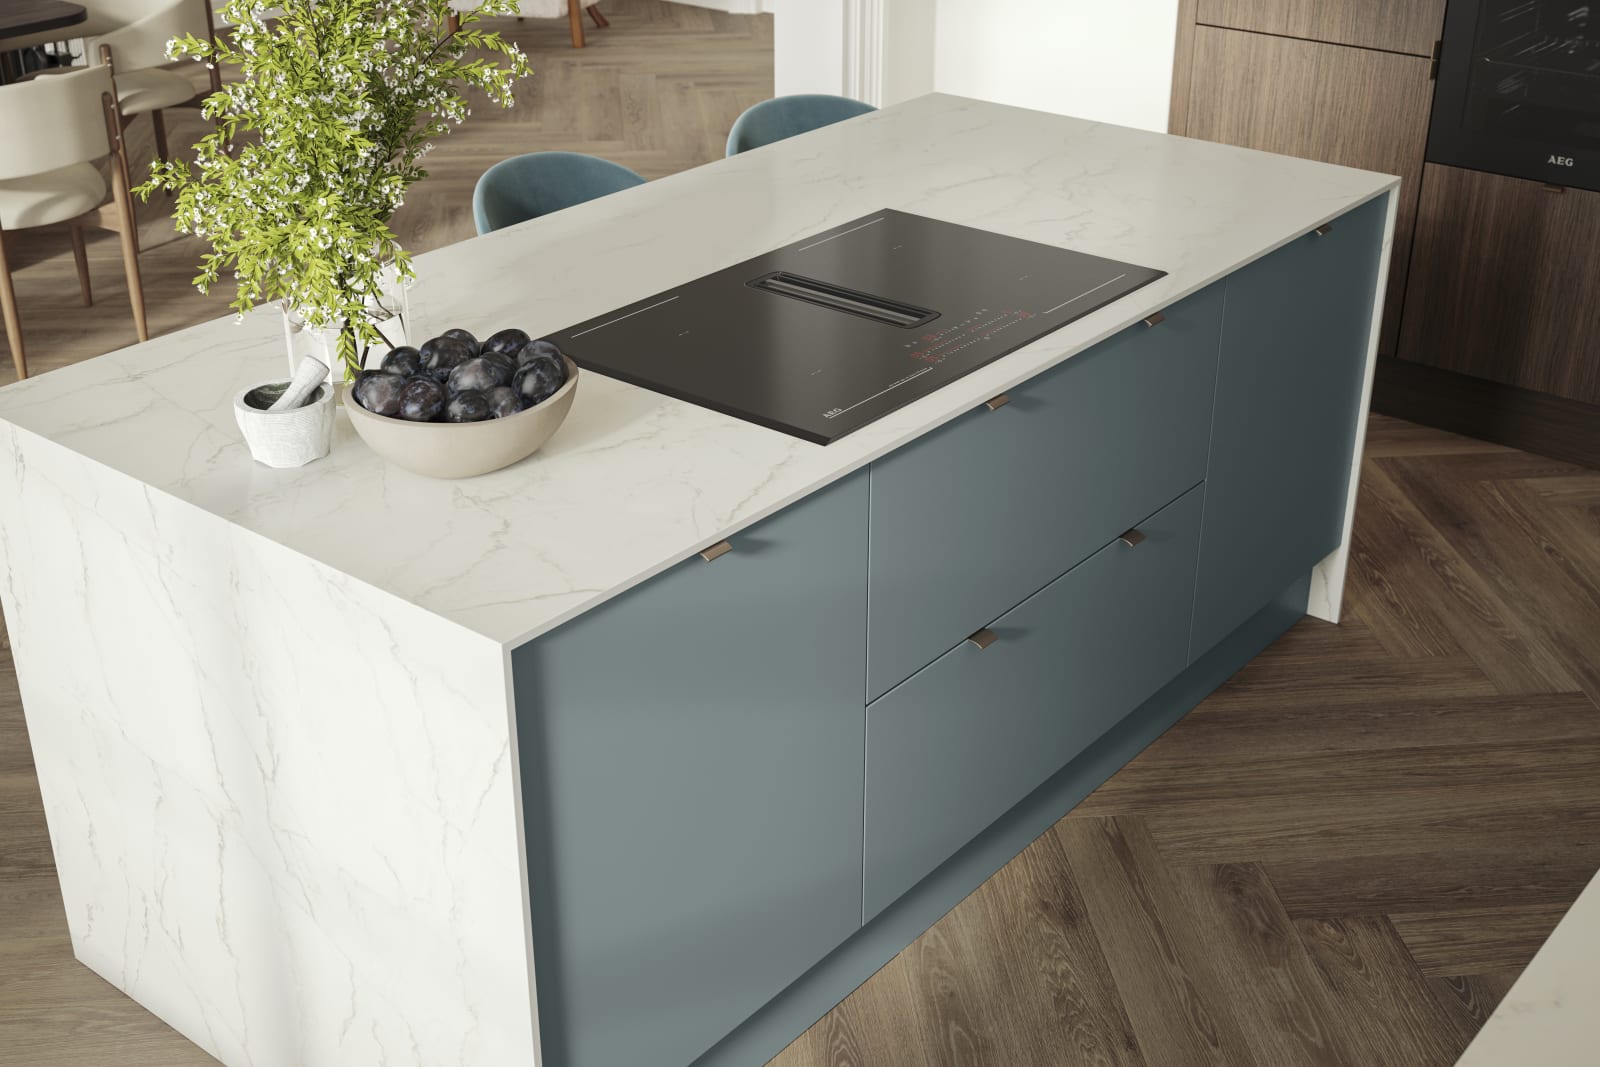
1350,106
1390,25
691,762
1505,283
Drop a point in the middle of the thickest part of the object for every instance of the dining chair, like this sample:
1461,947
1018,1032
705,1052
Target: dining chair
136,51
55,129
549,9
526,187
785,116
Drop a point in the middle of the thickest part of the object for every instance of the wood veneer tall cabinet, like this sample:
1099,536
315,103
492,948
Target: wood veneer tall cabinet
1523,309
1354,106
1489,327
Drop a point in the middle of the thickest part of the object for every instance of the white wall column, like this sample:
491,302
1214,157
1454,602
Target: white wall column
1106,62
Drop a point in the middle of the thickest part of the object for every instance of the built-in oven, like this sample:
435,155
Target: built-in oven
1518,90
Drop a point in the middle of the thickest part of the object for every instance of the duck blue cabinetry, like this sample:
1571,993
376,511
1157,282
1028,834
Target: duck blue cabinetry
983,512
738,777
691,759
1294,357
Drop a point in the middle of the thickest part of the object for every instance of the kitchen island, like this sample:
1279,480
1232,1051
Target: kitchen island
342,764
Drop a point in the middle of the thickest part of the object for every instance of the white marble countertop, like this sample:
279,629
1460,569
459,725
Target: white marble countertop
635,482
1551,1016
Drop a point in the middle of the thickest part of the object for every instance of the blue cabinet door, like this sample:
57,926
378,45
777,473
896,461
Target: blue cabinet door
691,770
985,511
961,742
1295,331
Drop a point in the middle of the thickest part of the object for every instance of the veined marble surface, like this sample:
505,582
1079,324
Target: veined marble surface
635,481
282,806
1551,1016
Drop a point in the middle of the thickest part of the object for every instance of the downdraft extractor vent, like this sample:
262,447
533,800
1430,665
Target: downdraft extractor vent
850,301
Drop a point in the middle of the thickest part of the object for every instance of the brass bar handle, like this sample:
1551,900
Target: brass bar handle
716,551
995,403
1156,320
983,639
1323,230
1132,538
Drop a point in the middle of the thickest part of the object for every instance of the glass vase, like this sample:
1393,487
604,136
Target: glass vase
388,311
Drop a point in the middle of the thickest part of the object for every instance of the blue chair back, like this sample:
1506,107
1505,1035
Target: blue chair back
525,187
786,116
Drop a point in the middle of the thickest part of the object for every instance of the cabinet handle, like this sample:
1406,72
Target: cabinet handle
1132,538
1155,320
995,403
716,551
1323,230
983,639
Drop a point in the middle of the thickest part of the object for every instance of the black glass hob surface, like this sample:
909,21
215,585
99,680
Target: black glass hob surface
822,336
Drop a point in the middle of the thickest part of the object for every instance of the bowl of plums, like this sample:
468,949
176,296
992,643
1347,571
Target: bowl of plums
456,407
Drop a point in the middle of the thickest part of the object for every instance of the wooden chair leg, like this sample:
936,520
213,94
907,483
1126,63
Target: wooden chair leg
80,255
575,17
8,307
160,123
127,221
130,262
599,19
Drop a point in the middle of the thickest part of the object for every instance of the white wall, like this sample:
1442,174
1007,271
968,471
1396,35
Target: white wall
1107,60
808,47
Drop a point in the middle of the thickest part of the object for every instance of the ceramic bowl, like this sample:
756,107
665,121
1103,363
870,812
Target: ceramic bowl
464,449
290,438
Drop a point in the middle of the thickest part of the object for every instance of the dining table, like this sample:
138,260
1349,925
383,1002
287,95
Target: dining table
28,18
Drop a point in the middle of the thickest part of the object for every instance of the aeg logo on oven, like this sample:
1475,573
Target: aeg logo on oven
1563,161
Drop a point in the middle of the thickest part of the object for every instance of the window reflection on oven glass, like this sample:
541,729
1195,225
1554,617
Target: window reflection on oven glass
1536,73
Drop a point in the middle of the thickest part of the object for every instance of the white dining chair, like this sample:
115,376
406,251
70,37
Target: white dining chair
136,51
55,130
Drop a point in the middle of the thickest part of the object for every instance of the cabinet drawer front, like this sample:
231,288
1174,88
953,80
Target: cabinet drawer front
983,512
956,746
691,758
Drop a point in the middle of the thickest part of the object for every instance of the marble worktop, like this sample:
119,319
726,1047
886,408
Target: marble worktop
634,481
1548,1017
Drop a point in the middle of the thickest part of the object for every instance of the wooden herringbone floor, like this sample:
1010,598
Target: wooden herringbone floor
1344,856
656,92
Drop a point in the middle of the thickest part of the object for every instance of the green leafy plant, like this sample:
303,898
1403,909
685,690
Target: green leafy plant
337,103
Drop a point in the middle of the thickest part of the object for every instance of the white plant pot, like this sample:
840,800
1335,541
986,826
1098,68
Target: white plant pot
289,438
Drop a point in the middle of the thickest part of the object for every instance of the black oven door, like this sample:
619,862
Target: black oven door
1518,90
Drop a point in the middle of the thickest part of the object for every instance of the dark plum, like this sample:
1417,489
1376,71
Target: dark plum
465,337
536,382
422,400
379,392
506,342
540,349
469,405
503,401
442,355
504,366
475,375
404,361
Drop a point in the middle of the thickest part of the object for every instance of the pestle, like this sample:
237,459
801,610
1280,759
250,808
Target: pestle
310,374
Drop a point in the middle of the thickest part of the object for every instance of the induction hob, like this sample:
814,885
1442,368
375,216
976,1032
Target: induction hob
827,334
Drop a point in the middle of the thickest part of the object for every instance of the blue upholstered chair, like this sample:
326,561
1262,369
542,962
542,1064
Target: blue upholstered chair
525,187
785,116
